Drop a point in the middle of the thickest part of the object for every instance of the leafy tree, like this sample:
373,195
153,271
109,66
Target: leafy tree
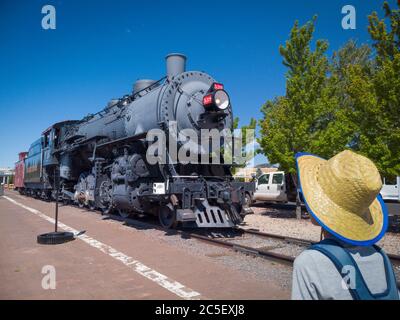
387,43
313,114
352,101
350,54
305,118
345,58
376,96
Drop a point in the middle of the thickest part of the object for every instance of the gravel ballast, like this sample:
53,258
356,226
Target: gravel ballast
283,222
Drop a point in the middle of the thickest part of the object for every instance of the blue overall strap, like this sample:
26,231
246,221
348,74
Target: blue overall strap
340,257
392,291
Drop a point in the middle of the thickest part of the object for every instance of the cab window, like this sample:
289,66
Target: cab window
46,141
390,181
277,178
55,137
264,179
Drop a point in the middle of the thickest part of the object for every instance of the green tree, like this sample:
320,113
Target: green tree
376,96
351,101
343,60
387,42
305,118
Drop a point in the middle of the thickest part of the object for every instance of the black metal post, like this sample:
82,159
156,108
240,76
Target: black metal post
56,237
56,184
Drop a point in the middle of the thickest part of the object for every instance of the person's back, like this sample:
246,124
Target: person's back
342,197
315,276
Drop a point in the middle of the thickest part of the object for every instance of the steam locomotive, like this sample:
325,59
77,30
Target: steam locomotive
101,161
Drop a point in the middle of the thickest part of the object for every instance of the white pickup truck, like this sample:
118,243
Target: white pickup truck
275,186
391,189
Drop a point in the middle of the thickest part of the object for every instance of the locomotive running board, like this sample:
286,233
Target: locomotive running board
123,140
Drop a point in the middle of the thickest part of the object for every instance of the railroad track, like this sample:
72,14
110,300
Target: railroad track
221,241
393,257
218,240
243,248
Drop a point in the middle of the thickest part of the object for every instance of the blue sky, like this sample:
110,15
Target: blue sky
100,48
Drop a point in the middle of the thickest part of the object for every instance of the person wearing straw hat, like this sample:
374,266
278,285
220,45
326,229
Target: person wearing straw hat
342,196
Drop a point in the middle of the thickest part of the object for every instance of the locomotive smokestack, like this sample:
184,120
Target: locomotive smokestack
176,64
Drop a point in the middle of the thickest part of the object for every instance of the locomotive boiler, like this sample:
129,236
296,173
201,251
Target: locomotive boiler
102,161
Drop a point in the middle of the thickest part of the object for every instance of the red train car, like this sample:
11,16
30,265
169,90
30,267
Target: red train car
19,172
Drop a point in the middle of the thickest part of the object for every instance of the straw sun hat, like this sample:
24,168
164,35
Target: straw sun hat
342,194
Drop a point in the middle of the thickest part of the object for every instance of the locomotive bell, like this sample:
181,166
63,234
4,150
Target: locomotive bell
142,84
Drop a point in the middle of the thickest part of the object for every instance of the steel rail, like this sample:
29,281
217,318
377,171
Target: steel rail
241,248
231,245
393,257
260,252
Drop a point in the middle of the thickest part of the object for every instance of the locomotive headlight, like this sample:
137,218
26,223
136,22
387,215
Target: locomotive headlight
218,99
221,99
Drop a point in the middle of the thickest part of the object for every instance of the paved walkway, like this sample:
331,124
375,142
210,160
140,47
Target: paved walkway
109,261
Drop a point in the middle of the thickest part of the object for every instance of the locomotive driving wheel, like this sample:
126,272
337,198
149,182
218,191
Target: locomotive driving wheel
248,200
81,203
81,187
91,205
167,216
103,194
124,213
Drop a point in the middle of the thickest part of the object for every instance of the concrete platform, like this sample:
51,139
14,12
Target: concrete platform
109,261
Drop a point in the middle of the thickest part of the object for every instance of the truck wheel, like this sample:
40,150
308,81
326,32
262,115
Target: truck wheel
55,237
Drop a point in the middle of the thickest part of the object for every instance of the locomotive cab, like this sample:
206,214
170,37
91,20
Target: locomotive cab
49,146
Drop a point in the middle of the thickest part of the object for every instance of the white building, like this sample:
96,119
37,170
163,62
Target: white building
5,175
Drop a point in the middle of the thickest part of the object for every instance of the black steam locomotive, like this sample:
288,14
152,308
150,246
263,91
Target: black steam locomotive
101,161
